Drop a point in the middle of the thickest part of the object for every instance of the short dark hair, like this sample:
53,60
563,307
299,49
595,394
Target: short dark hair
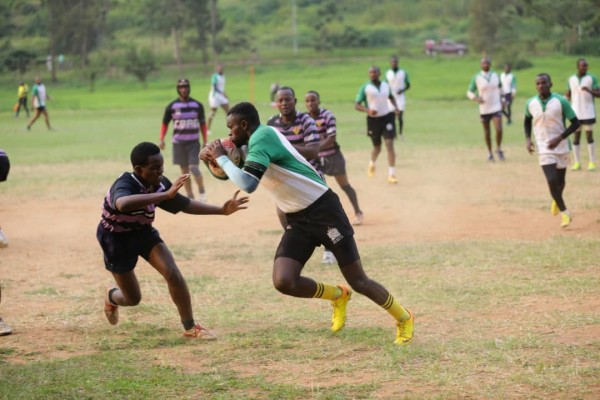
247,111
287,88
545,75
141,152
315,93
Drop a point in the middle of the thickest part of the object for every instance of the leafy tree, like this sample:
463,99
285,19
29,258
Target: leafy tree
140,63
485,23
75,26
578,20
18,60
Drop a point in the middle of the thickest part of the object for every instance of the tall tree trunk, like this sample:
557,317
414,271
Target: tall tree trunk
213,28
177,50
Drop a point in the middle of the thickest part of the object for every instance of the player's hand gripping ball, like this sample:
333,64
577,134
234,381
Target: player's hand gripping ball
235,155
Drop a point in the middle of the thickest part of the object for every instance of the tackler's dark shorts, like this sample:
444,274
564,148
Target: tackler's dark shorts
121,250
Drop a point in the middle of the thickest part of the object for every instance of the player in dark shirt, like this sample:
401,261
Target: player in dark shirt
125,233
298,128
188,119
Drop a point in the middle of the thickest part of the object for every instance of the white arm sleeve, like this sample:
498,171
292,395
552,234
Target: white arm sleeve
248,183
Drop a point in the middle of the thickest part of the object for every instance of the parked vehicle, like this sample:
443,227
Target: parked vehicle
445,46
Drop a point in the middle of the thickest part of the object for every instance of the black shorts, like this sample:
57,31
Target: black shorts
507,98
121,250
488,117
334,165
186,153
378,127
4,168
323,223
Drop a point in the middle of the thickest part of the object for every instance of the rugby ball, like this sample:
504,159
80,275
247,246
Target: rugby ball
235,155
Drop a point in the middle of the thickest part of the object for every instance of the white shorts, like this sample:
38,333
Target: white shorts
561,160
216,100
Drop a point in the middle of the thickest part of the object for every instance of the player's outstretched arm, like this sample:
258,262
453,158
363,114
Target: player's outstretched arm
136,201
229,207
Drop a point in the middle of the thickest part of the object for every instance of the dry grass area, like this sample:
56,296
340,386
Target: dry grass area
506,303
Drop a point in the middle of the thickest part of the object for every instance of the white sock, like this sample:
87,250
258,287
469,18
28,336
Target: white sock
592,152
576,152
392,171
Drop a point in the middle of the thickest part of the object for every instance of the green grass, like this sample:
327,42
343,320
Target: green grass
274,347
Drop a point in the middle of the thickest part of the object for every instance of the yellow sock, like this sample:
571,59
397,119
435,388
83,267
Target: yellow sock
392,306
327,292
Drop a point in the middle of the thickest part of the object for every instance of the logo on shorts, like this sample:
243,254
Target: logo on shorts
389,127
334,235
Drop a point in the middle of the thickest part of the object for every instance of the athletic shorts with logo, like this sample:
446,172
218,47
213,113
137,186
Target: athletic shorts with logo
322,223
378,127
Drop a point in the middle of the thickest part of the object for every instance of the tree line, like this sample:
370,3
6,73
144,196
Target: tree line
99,35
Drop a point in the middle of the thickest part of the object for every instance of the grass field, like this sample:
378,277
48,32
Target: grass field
506,304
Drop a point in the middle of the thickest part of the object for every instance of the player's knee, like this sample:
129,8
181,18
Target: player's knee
283,285
360,285
194,170
213,112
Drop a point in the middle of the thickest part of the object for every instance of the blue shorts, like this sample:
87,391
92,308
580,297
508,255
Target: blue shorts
121,250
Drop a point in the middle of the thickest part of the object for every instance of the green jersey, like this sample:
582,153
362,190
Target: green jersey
292,181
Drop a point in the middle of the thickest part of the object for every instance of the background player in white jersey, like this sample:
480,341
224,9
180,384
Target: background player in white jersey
315,217
509,90
217,96
484,88
372,98
546,113
583,87
39,97
398,80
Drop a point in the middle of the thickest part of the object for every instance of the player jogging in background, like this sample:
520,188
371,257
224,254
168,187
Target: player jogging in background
332,159
509,90
188,119
125,233
39,98
399,83
217,96
546,113
372,98
315,217
484,89
583,87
